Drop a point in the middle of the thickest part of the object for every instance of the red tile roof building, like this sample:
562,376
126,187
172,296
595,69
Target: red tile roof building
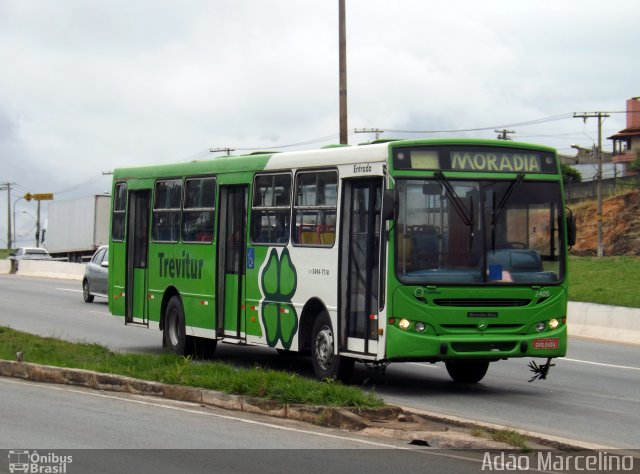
626,143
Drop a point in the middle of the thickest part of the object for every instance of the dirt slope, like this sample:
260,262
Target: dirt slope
620,225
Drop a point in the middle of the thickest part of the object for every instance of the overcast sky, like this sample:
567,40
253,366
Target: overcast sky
87,86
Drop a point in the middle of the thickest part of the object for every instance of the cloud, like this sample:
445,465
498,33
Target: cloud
89,86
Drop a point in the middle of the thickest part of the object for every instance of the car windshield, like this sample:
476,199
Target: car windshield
479,232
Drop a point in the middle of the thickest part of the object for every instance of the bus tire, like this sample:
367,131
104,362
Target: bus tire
175,336
86,292
467,371
327,365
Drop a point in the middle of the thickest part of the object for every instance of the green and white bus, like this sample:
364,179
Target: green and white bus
436,250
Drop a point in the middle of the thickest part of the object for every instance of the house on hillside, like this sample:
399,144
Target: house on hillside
586,162
626,143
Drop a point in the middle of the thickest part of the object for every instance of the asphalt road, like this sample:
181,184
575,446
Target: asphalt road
591,395
108,432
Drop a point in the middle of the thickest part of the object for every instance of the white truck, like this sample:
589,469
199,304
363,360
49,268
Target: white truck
77,227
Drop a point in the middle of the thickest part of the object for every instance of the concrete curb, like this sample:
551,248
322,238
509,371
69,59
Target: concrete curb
395,422
327,416
600,321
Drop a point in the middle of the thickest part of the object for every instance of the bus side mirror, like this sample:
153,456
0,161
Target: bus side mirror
571,229
389,204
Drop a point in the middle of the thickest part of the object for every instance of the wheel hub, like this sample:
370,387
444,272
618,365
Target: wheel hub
173,328
324,348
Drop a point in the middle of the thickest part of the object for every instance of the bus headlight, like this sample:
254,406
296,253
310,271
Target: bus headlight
419,327
553,323
404,324
541,326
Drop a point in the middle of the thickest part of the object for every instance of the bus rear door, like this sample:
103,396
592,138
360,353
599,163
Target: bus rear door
231,267
139,205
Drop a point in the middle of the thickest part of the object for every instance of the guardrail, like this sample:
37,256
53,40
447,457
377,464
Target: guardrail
45,268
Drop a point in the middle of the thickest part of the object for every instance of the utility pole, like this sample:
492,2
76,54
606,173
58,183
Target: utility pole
377,131
342,69
600,116
504,134
227,150
7,186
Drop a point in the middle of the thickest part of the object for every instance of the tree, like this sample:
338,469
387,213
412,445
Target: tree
570,174
635,166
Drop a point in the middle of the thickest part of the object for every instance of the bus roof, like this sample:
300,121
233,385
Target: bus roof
327,156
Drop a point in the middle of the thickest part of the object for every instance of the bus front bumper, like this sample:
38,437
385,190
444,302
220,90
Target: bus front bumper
408,345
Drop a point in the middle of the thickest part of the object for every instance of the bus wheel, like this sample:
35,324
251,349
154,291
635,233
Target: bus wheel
86,292
326,364
175,337
467,371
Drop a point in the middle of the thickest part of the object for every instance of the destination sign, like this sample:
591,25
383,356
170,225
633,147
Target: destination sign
480,159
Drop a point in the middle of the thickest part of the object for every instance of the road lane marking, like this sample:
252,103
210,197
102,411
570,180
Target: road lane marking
69,289
244,420
601,364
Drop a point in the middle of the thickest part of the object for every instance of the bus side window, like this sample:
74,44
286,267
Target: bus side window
271,209
199,210
315,207
167,209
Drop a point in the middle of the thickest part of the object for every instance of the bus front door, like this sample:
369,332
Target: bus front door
231,250
137,257
360,265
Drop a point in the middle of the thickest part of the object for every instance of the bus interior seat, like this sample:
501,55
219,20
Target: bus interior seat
516,260
307,235
327,234
405,250
425,238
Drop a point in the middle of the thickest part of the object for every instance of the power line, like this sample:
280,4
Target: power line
552,118
377,131
291,145
227,150
504,134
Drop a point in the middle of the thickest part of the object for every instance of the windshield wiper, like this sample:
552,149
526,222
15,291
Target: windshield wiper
499,212
502,207
458,205
465,215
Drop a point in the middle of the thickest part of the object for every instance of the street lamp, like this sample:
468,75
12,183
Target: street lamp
14,217
38,231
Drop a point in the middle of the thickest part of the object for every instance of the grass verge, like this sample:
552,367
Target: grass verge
282,387
503,436
606,280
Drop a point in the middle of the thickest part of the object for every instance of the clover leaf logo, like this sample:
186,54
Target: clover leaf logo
278,282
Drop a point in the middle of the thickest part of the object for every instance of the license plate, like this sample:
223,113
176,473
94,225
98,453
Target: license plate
548,343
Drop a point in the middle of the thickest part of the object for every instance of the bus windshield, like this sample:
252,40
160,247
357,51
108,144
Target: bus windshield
479,231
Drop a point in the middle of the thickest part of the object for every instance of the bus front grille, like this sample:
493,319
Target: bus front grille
481,302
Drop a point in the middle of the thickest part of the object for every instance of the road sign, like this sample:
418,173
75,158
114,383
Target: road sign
28,197
43,197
